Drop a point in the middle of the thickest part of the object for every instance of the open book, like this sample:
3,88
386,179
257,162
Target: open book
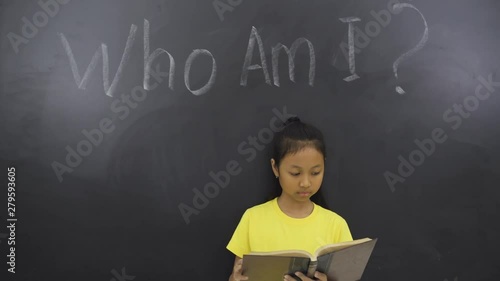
343,261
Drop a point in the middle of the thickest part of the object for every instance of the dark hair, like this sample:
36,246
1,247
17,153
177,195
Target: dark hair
293,137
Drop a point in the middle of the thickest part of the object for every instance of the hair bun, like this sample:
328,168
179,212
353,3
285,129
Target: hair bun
291,120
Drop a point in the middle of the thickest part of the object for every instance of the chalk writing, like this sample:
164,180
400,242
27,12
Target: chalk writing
187,69
82,83
291,60
411,52
253,41
352,61
149,58
254,36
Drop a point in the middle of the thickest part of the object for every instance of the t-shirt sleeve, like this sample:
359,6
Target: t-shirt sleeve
239,243
345,233
342,232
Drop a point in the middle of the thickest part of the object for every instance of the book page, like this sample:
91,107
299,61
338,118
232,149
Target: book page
284,253
337,246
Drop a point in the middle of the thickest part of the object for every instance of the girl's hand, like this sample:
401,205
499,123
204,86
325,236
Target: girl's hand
237,276
320,276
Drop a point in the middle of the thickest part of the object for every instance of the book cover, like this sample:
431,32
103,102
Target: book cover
344,261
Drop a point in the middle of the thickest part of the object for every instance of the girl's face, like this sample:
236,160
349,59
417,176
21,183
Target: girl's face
300,174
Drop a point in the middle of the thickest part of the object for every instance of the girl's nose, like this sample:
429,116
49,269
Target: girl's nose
305,182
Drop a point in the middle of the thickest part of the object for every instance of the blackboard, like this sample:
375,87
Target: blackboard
106,162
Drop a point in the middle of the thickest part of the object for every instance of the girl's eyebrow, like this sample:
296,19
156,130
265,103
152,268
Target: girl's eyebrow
297,166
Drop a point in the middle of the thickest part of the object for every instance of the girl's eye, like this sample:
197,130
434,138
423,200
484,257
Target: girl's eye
294,174
316,173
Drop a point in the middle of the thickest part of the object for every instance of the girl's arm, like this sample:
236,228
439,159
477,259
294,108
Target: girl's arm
236,275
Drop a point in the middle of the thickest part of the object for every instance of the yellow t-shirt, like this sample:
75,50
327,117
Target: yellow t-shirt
265,227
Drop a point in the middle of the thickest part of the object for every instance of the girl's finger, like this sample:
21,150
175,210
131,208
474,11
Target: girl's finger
302,276
238,276
321,276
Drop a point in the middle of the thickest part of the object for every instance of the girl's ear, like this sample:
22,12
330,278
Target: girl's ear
275,169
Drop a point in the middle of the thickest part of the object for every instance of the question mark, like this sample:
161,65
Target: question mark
397,8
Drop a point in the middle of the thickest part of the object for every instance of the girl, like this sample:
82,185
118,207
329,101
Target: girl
294,219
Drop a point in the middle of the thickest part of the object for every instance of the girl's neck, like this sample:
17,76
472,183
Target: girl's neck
294,208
